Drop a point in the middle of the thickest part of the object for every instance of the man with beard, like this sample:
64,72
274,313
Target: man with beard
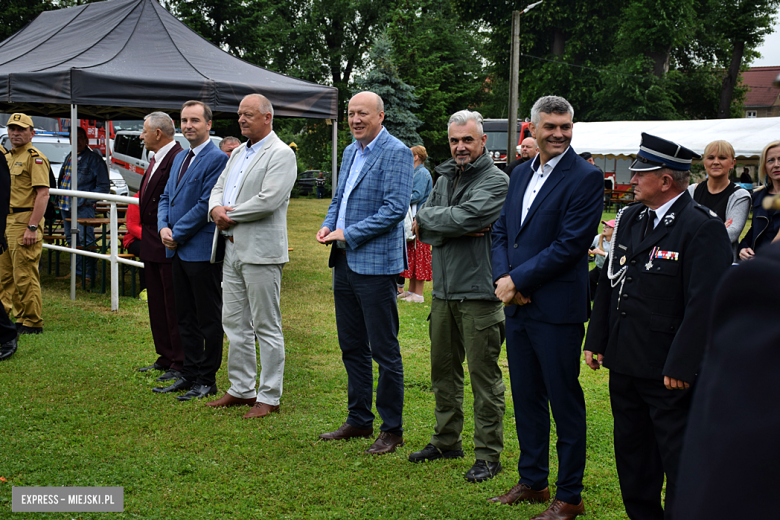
467,320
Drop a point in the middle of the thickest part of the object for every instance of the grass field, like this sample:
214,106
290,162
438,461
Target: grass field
75,412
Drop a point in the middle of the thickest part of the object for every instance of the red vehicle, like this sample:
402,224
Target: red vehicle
96,132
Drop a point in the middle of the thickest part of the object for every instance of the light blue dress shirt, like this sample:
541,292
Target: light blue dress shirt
361,155
237,172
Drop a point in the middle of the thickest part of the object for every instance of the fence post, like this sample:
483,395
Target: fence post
114,253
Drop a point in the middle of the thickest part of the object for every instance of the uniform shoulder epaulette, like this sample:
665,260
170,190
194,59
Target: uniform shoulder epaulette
33,152
707,211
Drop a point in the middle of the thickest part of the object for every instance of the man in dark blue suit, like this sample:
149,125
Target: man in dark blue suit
540,266
187,234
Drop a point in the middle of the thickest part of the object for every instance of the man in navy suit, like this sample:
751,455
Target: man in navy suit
187,234
364,224
158,138
540,266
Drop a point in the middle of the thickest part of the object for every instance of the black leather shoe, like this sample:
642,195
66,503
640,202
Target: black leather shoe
153,367
30,330
178,386
8,348
431,452
170,375
198,392
483,470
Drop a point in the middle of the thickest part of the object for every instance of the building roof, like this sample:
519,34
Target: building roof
761,93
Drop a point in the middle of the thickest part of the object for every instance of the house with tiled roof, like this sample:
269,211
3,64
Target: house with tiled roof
763,99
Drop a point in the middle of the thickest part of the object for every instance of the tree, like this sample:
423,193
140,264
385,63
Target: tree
441,58
399,97
15,14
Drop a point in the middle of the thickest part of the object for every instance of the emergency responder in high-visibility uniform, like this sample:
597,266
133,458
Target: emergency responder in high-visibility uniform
20,285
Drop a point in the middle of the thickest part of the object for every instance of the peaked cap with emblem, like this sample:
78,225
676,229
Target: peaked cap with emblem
22,120
656,153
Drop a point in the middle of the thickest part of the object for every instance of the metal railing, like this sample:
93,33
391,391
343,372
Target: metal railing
113,257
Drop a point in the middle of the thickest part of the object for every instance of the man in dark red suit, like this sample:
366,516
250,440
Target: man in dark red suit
158,138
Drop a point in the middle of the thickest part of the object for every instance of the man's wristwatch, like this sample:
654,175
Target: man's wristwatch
32,227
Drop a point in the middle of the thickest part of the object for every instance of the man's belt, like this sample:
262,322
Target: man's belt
20,210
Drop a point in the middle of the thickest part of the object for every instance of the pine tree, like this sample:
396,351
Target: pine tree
398,96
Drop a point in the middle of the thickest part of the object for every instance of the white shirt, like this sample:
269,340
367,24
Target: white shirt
240,165
661,210
541,174
159,156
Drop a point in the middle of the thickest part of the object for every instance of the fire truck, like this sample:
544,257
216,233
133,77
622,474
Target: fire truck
497,131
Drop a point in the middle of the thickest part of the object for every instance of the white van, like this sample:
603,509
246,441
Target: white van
131,159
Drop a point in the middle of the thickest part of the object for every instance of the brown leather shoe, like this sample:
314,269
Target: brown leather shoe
522,493
229,400
559,510
346,431
385,443
261,410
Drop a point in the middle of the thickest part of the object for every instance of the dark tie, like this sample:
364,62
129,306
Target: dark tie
185,166
649,224
147,177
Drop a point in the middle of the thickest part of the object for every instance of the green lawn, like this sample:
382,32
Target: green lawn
75,412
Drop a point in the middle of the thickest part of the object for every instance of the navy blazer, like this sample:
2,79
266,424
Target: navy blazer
547,257
184,205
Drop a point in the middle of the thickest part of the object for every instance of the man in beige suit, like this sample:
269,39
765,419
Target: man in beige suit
249,206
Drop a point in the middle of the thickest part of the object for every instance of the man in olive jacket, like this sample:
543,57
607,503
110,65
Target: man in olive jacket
467,319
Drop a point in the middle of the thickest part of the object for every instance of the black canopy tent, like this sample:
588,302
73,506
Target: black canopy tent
125,58
122,59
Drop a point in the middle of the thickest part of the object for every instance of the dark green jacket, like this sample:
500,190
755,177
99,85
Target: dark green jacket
463,202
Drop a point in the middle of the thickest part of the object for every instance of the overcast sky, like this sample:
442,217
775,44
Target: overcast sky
770,50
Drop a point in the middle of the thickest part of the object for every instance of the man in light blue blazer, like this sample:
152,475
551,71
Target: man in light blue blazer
187,234
365,226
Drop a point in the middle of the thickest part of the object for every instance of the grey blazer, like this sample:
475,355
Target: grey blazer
260,235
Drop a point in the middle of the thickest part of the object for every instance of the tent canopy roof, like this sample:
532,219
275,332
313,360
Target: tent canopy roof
621,139
122,59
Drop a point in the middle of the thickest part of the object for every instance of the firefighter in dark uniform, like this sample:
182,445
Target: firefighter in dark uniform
649,320
8,335
20,285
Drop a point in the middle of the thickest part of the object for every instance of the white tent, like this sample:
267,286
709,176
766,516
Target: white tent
620,139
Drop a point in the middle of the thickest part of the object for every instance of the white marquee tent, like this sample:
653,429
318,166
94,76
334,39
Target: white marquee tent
620,139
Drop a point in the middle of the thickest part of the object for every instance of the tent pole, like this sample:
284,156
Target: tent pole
74,168
106,142
334,145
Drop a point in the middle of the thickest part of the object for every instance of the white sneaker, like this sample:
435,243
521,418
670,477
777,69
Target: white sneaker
415,298
403,295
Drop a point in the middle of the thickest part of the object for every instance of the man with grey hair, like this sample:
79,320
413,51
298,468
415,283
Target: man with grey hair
249,206
228,144
540,267
467,321
158,138
651,308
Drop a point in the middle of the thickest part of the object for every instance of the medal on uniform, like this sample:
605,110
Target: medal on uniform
622,259
649,264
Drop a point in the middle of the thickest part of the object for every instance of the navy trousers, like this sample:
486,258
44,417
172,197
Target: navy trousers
544,368
198,295
367,323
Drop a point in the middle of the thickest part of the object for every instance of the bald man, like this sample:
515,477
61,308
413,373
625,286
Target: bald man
528,150
364,227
